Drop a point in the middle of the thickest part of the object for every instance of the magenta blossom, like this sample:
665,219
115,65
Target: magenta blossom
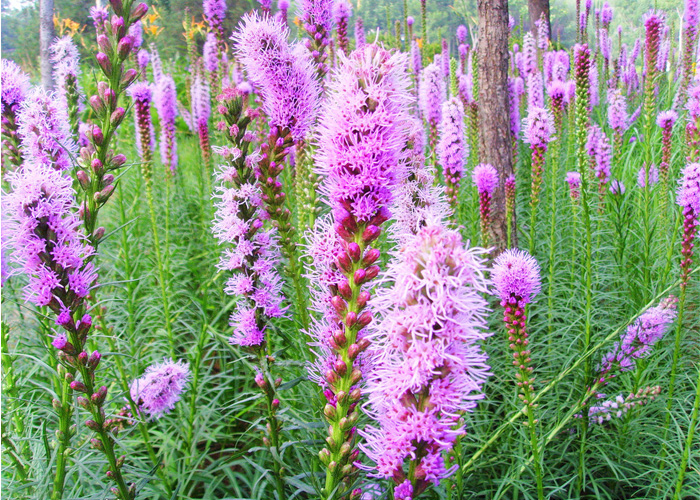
160,387
516,277
485,178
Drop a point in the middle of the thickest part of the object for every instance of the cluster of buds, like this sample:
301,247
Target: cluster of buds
317,19
485,179
620,406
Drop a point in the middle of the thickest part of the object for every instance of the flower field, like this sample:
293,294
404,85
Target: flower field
281,265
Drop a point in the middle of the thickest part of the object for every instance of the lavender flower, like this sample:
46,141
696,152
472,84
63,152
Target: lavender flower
516,277
485,179
142,59
43,127
416,60
99,15
529,55
617,187
283,74
538,133
445,58
66,70
317,16
620,406
160,387
574,181
599,152
142,95
618,116
166,105
136,34
689,200
47,243
535,91
215,13
342,12
428,364
638,340
452,149
210,56
201,111
652,174
432,94
359,33
15,86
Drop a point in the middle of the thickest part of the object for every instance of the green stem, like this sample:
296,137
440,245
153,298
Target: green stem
688,442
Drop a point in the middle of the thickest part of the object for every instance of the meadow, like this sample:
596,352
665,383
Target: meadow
269,268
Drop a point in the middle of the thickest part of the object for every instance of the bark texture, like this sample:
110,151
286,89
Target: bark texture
495,142
535,9
46,36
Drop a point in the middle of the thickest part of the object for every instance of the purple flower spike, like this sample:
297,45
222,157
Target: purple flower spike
432,322
462,33
15,86
452,148
485,178
574,181
160,387
166,105
43,127
652,175
516,277
284,74
432,94
689,199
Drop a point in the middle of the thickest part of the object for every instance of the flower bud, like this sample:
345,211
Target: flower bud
120,461
99,397
104,195
129,76
324,456
371,257
124,47
344,290
83,179
355,376
372,272
329,411
138,12
344,262
364,319
117,6
97,136
94,359
370,234
97,104
104,63
340,367
83,402
82,358
363,298
92,425
118,161
107,180
117,116
353,351
350,318
339,305
96,443
360,276
354,251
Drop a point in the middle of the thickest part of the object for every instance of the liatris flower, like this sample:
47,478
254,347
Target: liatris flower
142,59
691,17
594,85
510,206
46,240
166,105
516,278
265,6
452,149
445,58
542,33
620,406
654,23
280,72
485,178
574,181
582,64
210,58
215,13
156,63
43,128
666,120
539,130
136,34
66,70
432,94
419,201
141,94
99,15
692,128
535,90
160,387
317,16
515,89
416,61
618,119
644,174
201,111
360,177
463,50
15,86
342,13
360,33
638,340
606,15
689,200
599,153
462,33
282,8
529,55
617,187
428,365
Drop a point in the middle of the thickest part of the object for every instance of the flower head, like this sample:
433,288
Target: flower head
516,276
539,127
432,93
15,84
689,190
462,33
618,117
284,74
485,177
452,149
667,119
652,174
160,387
574,181
44,128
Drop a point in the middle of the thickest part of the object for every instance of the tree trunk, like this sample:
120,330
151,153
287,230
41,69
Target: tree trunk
46,36
495,142
536,8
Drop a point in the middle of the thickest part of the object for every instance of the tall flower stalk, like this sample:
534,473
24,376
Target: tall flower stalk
66,60
665,121
516,277
252,254
317,19
452,148
433,93
485,178
289,90
15,86
359,179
